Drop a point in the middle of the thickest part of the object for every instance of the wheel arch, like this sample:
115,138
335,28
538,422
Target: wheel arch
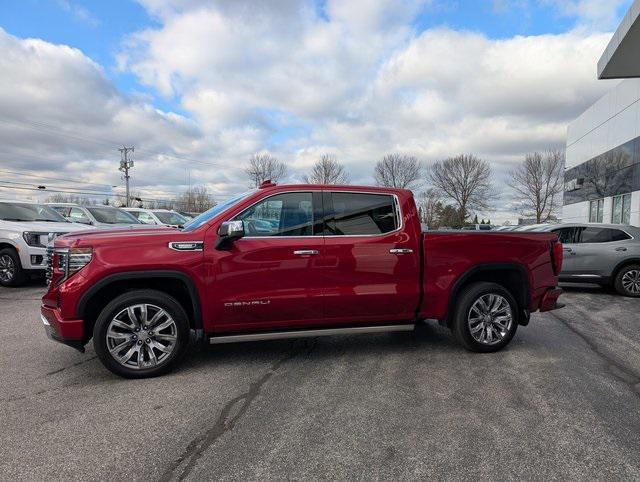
174,283
6,244
622,264
513,277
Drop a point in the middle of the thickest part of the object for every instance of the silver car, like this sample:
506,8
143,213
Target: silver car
99,216
606,254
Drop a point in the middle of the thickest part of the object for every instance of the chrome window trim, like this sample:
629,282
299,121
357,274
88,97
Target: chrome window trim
398,214
347,191
310,191
631,237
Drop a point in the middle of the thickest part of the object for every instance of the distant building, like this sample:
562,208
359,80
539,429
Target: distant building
602,171
531,221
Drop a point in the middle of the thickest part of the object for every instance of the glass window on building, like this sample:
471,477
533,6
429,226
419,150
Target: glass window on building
621,212
596,211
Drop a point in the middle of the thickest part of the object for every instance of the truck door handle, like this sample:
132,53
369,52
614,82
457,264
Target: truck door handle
305,252
401,251
621,248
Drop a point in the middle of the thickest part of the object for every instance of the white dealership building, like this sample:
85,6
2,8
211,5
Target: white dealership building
602,171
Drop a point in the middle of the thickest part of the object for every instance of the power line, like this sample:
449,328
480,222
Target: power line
48,129
174,193
92,193
75,181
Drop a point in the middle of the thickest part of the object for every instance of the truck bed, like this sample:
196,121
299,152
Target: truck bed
451,258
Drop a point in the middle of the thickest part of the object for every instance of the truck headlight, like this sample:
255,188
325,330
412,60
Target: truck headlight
72,260
35,239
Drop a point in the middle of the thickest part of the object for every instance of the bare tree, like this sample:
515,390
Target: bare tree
465,179
264,166
327,170
195,199
397,170
538,182
430,208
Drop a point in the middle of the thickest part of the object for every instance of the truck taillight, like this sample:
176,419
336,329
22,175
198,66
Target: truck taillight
556,257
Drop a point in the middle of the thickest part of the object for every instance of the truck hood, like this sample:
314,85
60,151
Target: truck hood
42,226
100,235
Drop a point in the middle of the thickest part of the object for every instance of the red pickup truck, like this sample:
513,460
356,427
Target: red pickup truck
291,261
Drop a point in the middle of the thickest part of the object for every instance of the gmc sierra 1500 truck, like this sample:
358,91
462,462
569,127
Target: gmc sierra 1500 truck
287,262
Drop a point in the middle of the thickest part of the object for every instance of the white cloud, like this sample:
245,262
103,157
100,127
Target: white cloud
79,12
352,78
60,116
598,15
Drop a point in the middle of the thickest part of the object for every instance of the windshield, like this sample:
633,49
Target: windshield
29,212
215,210
112,216
169,217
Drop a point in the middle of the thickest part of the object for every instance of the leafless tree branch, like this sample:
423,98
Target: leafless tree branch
398,170
327,170
537,183
264,166
466,180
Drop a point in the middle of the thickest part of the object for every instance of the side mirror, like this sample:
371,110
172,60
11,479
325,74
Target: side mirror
228,232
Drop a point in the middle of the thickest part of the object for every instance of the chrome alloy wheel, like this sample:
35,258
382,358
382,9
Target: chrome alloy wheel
490,319
7,268
141,336
630,281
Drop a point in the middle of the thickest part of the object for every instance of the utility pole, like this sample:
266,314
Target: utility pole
125,165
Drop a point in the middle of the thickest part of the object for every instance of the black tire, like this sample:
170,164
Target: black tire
464,303
18,275
148,297
625,275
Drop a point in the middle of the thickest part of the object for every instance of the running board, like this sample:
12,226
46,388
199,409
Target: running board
281,335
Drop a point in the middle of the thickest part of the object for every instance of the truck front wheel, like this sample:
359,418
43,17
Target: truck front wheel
11,272
141,334
485,318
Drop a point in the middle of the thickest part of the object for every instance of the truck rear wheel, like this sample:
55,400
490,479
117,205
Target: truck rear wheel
485,318
140,334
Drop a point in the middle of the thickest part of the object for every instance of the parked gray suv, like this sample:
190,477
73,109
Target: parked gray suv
606,254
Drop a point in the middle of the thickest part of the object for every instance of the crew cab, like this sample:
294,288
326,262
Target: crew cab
287,262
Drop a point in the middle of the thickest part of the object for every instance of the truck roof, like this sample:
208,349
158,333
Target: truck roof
334,187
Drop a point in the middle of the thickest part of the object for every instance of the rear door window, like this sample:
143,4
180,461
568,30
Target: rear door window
356,214
62,210
568,235
143,217
77,215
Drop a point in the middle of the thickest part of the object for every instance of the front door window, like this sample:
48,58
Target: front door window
289,214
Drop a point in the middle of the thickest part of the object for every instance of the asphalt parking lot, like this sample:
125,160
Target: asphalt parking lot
562,401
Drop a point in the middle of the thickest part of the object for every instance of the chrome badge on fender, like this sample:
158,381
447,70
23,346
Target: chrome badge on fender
246,303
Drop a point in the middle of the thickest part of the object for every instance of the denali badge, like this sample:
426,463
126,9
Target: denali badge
247,303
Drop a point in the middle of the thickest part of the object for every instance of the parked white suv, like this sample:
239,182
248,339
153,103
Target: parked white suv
25,230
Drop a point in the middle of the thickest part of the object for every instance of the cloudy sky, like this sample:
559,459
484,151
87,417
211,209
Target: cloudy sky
199,86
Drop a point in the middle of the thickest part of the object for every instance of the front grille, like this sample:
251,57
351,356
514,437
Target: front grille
49,264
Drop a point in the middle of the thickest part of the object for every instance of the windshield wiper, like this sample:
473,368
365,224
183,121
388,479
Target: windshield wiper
50,220
17,219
